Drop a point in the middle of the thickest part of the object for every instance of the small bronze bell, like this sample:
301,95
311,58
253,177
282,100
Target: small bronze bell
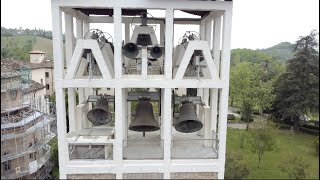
99,115
188,121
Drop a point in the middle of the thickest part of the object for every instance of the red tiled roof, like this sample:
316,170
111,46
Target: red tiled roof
14,64
35,86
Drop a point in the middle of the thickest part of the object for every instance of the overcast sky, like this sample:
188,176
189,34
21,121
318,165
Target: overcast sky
256,23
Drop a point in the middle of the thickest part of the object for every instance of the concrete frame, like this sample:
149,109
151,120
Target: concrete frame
119,166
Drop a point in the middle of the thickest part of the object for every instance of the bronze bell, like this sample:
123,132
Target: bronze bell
144,120
99,115
188,121
156,52
130,50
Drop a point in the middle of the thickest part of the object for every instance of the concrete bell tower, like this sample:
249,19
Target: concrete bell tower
92,61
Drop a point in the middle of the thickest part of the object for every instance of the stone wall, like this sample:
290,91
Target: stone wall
91,176
143,176
194,175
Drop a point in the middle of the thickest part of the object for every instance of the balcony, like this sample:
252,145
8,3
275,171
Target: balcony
183,146
91,152
193,146
142,149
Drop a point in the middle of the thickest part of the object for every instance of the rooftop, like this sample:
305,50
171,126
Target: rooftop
35,86
9,74
10,64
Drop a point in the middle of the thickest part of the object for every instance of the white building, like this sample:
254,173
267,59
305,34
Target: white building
42,70
113,151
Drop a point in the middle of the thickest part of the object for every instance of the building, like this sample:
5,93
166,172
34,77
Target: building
26,126
98,146
41,69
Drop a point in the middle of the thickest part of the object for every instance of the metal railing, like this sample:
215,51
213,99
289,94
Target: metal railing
196,148
85,152
193,149
13,173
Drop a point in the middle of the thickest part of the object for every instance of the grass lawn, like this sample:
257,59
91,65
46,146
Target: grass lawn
287,142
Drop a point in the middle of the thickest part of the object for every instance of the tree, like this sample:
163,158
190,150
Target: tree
294,166
261,140
272,67
248,89
54,158
297,90
236,167
265,95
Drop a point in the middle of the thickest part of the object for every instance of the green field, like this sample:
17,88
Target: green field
287,142
38,43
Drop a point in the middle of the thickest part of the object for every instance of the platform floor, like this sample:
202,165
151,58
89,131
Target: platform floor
137,147
96,152
184,146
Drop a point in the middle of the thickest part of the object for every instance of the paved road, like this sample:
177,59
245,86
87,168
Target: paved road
237,125
232,110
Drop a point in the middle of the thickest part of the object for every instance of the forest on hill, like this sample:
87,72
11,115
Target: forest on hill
18,42
7,32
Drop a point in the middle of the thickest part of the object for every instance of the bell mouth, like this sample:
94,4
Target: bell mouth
144,128
188,126
99,117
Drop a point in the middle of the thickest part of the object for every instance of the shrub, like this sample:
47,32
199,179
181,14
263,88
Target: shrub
54,159
236,167
314,122
309,126
283,126
309,131
294,166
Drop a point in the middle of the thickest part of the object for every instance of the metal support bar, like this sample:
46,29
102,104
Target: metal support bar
134,96
194,99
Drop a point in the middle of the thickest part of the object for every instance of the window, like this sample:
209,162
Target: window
6,165
47,74
108,88
42,81
47,86
13,94
31,156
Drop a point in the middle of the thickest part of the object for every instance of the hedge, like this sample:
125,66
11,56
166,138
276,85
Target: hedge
309,131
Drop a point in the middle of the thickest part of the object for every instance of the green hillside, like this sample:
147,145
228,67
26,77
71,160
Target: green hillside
282,51
20,46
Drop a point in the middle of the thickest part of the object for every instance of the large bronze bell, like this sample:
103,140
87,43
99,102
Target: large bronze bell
188,121
99,115
143,120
